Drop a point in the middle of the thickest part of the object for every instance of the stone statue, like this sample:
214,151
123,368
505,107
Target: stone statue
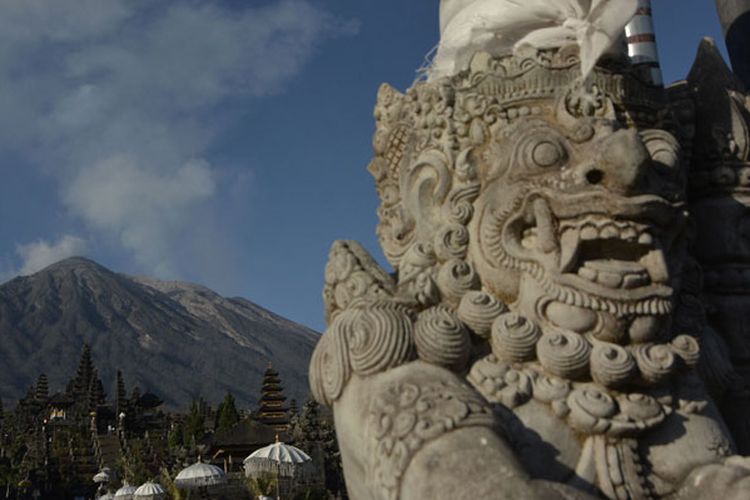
543,334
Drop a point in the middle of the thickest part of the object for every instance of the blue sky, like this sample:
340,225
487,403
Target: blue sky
222,142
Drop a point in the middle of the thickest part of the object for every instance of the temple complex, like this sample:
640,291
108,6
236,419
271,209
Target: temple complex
55,442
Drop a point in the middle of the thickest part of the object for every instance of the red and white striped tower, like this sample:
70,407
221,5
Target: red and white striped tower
641,39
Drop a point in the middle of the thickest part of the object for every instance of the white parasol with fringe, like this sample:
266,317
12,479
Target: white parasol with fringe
125,493
200,475
279,458
101,477
149,491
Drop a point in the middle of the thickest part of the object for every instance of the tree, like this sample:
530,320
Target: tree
176,437
195,422
313,431
227,415
264,485
171,486
122,395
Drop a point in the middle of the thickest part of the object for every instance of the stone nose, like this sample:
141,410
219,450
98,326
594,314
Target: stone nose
620,163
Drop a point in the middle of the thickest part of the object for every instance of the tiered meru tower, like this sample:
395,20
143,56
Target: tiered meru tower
273,412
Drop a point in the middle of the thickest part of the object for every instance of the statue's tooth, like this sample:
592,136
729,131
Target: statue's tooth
585,301
569,249
545,223
588,273
656,265
629,234
663,307
646,239
589,233
609,231
609,279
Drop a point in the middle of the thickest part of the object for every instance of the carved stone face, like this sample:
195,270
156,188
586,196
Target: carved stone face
580,224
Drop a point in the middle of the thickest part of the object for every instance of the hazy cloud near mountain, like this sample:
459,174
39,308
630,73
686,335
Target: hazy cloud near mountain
40,254
121,99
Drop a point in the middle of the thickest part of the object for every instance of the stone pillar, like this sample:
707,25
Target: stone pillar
735,21
641,39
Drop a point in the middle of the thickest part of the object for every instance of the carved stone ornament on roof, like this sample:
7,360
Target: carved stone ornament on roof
543,334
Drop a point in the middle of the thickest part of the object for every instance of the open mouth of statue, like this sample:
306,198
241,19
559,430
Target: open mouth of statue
611,248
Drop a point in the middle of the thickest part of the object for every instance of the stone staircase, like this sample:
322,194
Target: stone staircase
109,452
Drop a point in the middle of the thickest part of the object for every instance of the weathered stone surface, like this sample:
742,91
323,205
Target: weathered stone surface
544,334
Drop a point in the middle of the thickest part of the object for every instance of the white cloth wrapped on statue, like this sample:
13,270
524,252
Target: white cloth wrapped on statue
499,26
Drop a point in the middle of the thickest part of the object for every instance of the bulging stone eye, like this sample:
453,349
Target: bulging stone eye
538,150
547,154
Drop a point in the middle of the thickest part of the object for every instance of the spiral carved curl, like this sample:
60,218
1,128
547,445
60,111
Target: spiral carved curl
442,339
362,341
452,242
514,338
479,310
611,365
656,362
688,349
455,278
564,354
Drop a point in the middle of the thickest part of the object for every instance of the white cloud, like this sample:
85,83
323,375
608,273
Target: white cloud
121,100
145,207
40,254
61,20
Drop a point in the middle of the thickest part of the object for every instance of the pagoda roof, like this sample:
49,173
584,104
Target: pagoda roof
60,400
149,401
271,371
272,397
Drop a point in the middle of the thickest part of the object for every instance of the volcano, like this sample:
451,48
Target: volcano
178,340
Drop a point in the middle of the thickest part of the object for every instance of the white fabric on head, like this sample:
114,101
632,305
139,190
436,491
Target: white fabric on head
499,26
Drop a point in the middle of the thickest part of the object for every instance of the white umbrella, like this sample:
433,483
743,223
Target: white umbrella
125,493
149,491
108,496
199,475
280,458
101,477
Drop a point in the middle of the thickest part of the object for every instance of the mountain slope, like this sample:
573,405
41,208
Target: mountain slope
176,339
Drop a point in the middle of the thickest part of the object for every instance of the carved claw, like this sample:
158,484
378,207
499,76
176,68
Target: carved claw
352,276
